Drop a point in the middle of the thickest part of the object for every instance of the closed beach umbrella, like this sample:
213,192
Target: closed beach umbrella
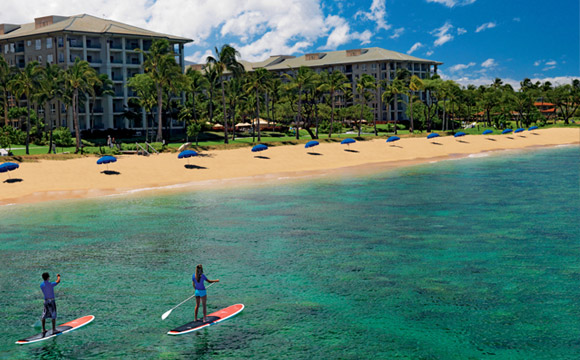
186,154
532,128
8,166
259,147
519,130
507,131
393,138
310,144
348,141
487,132
432,135
106,160
461,133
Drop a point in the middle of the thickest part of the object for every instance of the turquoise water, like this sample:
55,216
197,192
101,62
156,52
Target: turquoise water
476,258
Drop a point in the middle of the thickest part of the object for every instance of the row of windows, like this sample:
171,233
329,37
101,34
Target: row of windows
19,47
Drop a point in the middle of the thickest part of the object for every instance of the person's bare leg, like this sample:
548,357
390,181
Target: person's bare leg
204,300
196,306
53,326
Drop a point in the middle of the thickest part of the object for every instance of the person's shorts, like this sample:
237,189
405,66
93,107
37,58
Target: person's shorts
200,293
49,311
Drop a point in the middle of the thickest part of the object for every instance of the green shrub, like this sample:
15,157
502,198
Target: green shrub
62,137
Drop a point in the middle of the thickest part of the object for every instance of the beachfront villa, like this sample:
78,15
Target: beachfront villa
108,46
380,63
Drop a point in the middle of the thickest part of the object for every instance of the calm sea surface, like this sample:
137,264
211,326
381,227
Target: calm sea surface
476,258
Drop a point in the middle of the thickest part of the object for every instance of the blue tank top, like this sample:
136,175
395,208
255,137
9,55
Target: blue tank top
199,285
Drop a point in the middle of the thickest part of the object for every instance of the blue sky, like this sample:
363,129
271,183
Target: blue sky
477,40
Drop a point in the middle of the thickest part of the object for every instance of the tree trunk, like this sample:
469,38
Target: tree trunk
411,109
226,136
361,117
258,115
299,119
27,125
331,115
159,114
75,101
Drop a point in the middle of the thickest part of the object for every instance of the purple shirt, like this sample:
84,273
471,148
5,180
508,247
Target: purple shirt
199,285
47,288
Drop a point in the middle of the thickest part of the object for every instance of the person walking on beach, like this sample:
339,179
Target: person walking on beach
49,311
200,294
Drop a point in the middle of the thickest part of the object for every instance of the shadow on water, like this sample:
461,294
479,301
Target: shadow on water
191,166
262,157
13,180
110,172
436,143
463,141
50,351
350,150
314,153
490,139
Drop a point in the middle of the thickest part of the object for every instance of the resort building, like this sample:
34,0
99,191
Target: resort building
380,63
110,47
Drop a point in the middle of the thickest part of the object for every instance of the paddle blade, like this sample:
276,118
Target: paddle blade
164,316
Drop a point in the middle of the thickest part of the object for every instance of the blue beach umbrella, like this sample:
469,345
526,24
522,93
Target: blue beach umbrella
8,166
259,147
393,138
506,131
487,132
519,130
310,144
348,141
533,128
106,160
186,154
461,133
432,135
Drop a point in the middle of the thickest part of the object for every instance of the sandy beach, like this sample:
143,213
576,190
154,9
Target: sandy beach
49,180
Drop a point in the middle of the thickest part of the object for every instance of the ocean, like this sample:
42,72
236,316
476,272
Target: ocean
471,258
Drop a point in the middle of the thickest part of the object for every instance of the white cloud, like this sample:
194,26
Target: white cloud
488,80
414,48
442,34
551,63
397,33
538,62
377,13
488,25
460,67
429,53
452,3
341,33
489,63
461,31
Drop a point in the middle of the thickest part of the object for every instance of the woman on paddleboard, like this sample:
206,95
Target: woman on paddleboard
198,280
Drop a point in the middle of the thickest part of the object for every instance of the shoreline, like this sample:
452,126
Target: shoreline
52,180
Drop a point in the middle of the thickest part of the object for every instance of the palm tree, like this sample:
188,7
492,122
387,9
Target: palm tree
235,93
51,89
6,74
101,88
225,60
257,83
212,80
302,80
26,83
195,83
333,83
415,84
365,83
159,63
144,86
391,94
79,78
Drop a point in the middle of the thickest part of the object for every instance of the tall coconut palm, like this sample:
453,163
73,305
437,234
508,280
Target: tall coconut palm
415,84
333,83
235,94
391,94
6,74
26,84
213,79
365,83
101,88
194,84
257,83
159,63
225,60
79,79
302,80
144,86
51,89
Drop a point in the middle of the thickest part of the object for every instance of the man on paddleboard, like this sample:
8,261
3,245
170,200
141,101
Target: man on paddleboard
200,294
49,311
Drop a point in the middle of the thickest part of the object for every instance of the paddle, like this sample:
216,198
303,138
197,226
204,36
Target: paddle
166,314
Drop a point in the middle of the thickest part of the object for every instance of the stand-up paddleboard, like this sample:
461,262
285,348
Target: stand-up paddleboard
212,319
61,329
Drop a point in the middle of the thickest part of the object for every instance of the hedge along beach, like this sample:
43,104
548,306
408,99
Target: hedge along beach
48,180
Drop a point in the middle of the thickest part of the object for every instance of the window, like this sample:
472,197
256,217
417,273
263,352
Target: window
364,67
49,43
11,48
38,44
28,43
40,59
49,59
60,57
52,108
373,66
60,41
6,48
